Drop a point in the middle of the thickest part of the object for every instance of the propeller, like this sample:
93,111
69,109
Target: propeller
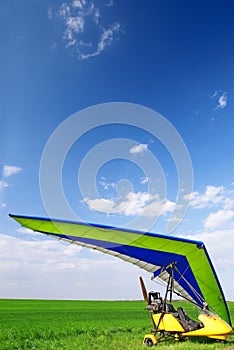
144,292
145,295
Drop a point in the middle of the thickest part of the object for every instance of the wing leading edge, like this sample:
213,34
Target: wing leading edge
195,277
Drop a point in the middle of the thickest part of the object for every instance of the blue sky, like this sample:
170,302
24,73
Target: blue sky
61,57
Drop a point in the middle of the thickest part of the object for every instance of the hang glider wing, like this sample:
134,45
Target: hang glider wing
195,277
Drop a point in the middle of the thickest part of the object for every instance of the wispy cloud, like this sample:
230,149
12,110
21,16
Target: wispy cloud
50,13
84,32
9,170
106,39
110,3
144,180
139,148
106,185
3,184
221,99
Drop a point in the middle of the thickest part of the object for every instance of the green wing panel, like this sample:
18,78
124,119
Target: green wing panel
150,251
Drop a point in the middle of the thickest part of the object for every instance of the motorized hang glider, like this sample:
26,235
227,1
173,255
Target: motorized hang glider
194,276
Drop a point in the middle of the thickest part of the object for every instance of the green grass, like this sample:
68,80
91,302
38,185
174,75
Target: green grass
68,325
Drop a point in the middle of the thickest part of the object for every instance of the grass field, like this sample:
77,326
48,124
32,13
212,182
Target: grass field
82,325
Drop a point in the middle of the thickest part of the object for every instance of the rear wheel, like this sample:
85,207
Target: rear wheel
180,338
220,341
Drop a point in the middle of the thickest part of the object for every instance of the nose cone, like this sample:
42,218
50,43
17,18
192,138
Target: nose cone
214,325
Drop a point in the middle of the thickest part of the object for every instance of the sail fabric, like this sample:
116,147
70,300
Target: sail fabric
194,275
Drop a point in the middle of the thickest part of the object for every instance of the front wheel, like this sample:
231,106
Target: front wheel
149,342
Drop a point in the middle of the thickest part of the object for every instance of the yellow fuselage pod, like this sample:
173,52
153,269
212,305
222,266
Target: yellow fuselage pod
167,323
214,327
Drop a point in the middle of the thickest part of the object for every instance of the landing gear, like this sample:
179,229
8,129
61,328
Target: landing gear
180,338
220,341
150,340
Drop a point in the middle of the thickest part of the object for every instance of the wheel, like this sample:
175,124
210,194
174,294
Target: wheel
180,338
220,341
148,342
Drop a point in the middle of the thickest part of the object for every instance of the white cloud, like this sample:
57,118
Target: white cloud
64,10
3,184
220,203
83,31
169,206
106,185
9,170
110,3
144,180
213,195
218,219
217,203
74,26
134,204
52,269
221,98
74,16
49,250
139,148
77,3
96,16
25,230
100,204
219,244
106,39
228,203
50,13
222,101
108,36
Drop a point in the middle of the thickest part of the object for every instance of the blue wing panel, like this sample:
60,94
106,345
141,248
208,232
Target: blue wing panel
153,257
